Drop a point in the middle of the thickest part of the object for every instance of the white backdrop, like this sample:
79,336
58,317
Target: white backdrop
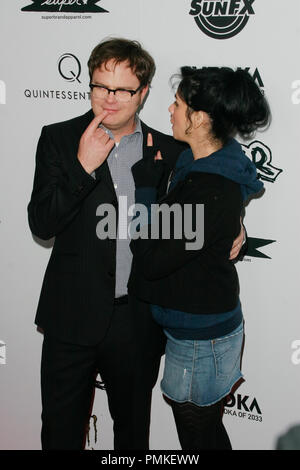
33,92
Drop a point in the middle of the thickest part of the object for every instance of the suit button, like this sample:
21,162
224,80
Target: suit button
111,274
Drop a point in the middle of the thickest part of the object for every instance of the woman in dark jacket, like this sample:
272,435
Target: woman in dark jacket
186,273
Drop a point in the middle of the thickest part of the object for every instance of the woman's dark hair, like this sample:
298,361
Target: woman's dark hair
231,98
122,50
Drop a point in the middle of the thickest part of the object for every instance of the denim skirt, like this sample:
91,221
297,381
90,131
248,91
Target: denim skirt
202,371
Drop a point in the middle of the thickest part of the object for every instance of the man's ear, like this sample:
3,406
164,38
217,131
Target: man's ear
144,93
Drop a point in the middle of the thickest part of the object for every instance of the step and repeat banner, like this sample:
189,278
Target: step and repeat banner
44,79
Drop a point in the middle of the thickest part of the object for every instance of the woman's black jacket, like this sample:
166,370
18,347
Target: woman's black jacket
166,273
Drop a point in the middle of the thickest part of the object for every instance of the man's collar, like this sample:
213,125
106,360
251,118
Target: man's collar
138,126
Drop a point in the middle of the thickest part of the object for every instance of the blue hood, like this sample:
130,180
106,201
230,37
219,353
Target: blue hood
230,162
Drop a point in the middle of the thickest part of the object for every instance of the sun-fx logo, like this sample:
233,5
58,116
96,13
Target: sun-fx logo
221,19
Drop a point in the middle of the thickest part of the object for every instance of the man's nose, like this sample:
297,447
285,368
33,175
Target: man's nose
111,96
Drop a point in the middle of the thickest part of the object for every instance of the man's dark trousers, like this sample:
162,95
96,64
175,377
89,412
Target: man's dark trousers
128,372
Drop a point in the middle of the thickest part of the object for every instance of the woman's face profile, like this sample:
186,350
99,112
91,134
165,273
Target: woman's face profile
179,121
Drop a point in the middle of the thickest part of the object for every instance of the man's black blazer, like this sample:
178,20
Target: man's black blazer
76,300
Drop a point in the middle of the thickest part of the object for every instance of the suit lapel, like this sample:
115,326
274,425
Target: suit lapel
145,131
103,173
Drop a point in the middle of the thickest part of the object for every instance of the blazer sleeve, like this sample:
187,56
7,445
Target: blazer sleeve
58,189
158,258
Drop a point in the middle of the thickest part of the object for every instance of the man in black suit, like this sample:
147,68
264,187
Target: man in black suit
90,323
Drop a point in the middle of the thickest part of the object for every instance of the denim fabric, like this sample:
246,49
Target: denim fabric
202,371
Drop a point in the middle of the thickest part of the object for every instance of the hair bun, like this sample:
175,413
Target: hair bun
231,97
